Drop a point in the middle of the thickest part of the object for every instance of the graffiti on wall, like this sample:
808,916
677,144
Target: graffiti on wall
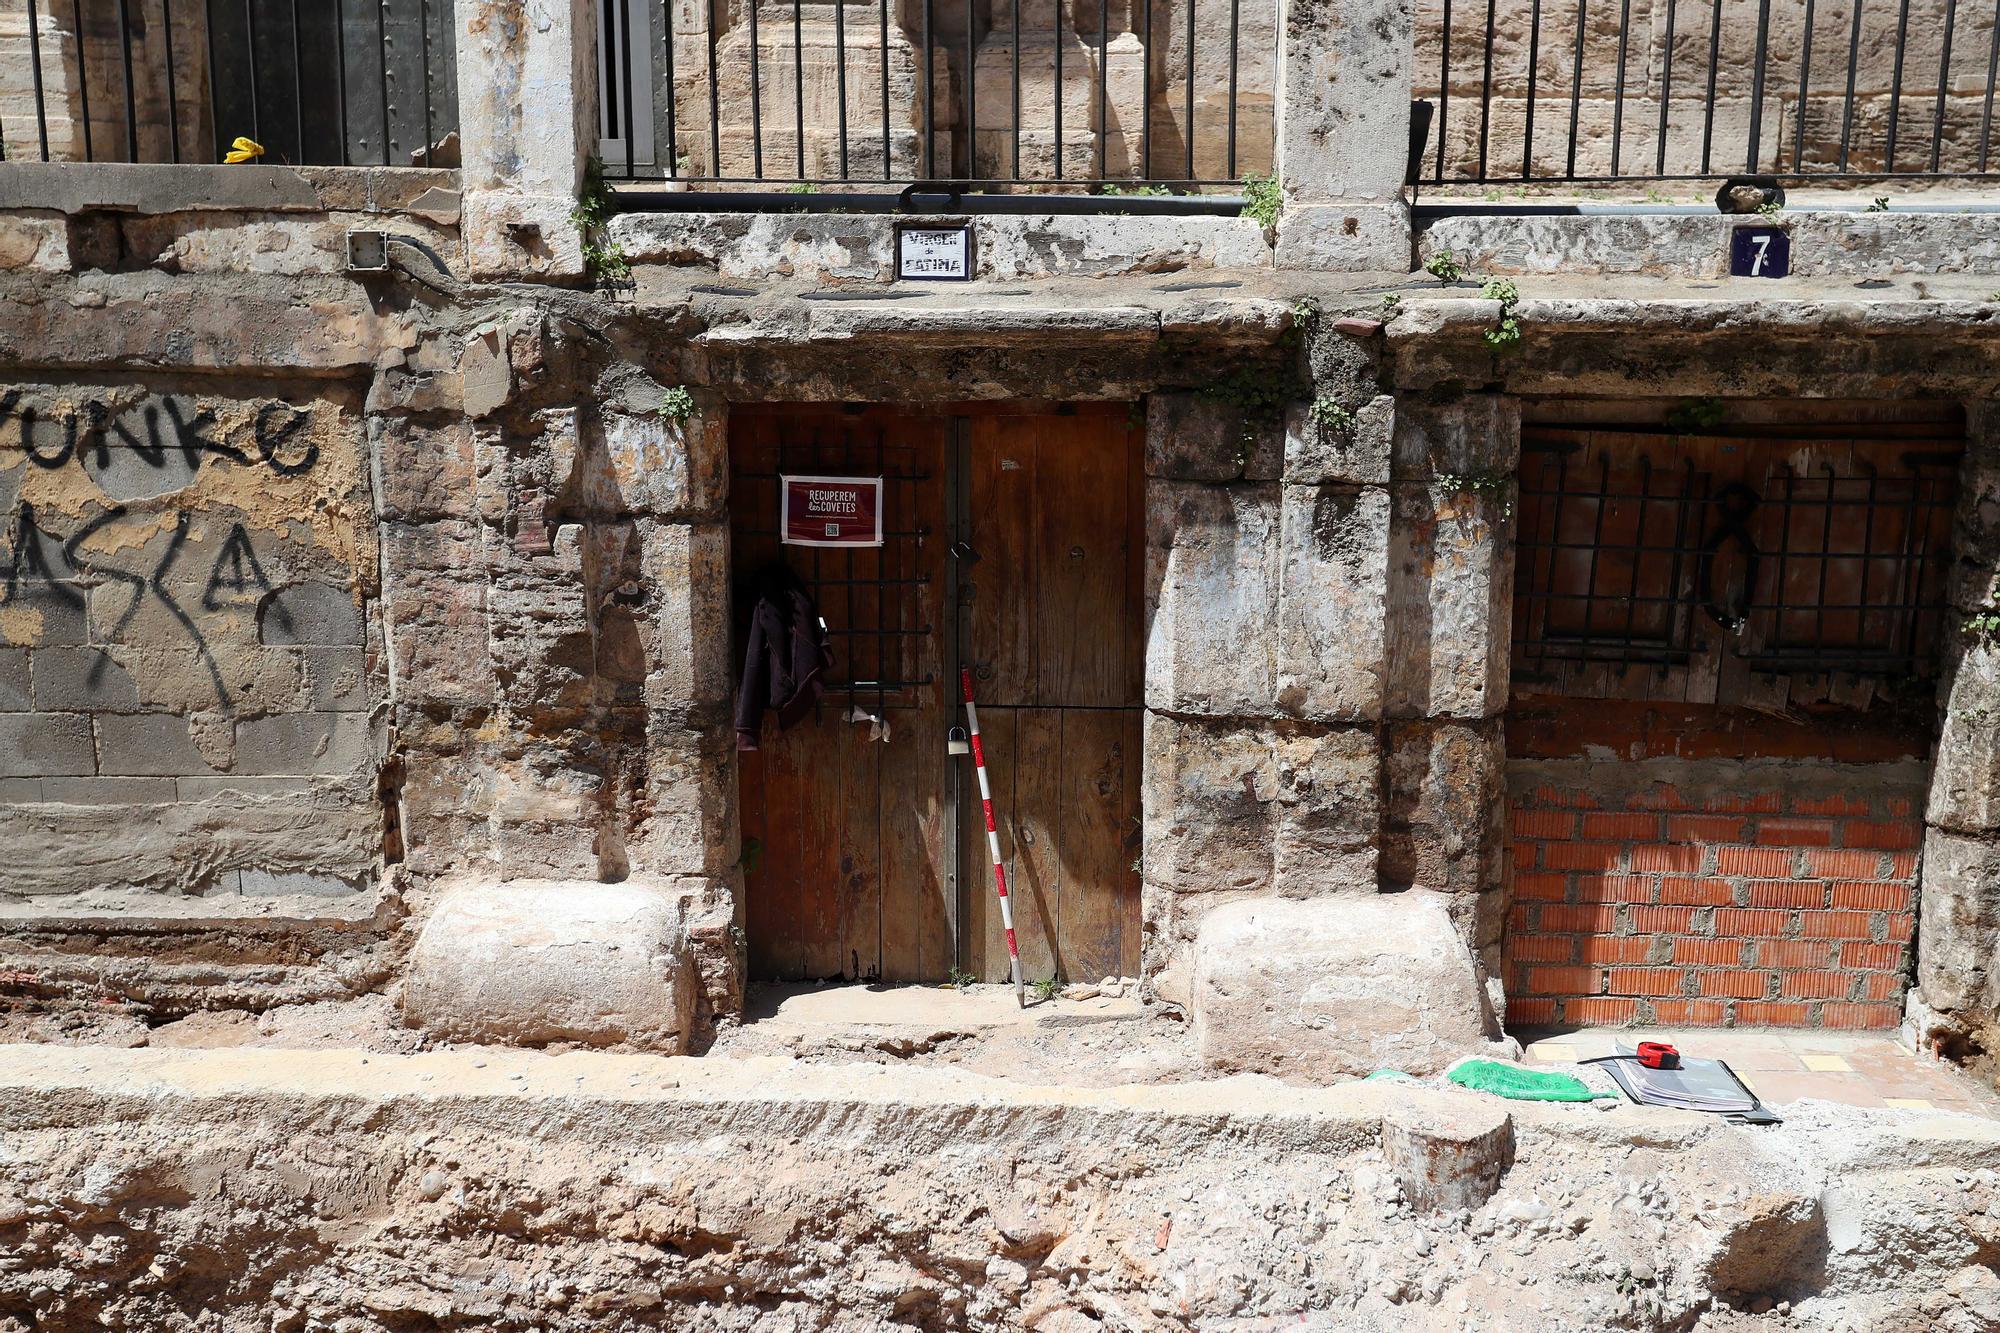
182,504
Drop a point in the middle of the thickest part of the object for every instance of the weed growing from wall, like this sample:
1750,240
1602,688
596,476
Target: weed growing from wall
1262,198
677,404
603,258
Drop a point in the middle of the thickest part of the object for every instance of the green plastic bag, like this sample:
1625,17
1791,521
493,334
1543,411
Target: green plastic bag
1523,1085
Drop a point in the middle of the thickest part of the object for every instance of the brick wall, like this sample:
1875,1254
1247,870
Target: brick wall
1759,893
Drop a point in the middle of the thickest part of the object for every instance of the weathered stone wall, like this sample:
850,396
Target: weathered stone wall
1834,133
1958,947
189,608
1327,656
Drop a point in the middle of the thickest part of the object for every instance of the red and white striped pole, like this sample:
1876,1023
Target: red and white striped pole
992,836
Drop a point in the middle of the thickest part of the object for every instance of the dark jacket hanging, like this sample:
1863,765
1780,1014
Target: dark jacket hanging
785,654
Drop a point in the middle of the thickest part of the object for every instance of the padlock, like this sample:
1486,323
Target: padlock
957,742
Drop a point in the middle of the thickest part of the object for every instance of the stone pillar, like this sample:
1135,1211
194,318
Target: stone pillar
1453,462
557,581
1958,941
1264,673
1343,114
527,99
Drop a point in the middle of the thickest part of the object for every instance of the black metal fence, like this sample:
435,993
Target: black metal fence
1023,93
320,82
1596,90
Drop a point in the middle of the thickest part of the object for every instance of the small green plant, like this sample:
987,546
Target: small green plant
1506,332
751,856
1993,296
1262,198
1444,267
1771,212
1692,415
1259,396
961,979
1046,988
603,258
1137,191
1391,301
1878,205
1329,415
677,404
1658,196
1982,627
801,187
1494,485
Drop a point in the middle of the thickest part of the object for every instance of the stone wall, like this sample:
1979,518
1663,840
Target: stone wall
188,600
1834,132
1327,656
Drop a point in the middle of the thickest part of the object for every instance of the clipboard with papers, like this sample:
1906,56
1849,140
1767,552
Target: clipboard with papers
1692,1085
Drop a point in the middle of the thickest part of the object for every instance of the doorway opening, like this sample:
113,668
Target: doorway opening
1012,544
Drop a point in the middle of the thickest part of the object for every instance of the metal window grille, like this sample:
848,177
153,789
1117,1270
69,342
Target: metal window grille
323,82
1597,90
1022,93
870,598
1630,564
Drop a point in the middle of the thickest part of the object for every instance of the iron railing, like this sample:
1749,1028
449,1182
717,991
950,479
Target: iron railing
319,82
1166,93
1605,90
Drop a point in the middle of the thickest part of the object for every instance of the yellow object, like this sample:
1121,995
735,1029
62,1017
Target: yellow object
243,150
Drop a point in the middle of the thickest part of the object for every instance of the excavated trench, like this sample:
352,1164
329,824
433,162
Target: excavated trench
259,1189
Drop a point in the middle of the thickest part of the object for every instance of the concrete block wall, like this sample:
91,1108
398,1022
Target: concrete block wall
1778,894
191,662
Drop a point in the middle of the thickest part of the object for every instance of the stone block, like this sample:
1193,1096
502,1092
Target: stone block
1334,988
34,242
305,744
108,791
1965,776
537,961
41,614
1332,588
1193,437
435,587
336,678
1343,366
1328,828
426,472
1234,806
16,695
147,745
81,679
1958,928
688,825
1357,454
656,466
683,623
1267,600
1465,435
1450,607
1443,827
309,612
521,237
35,745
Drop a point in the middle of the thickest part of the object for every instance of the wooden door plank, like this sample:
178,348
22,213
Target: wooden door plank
916,917
1001,625
1098,879
784,858
859,880
763,911
1037,872
1081,482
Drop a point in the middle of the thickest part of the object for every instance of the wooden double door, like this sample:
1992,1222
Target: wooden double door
1012,544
